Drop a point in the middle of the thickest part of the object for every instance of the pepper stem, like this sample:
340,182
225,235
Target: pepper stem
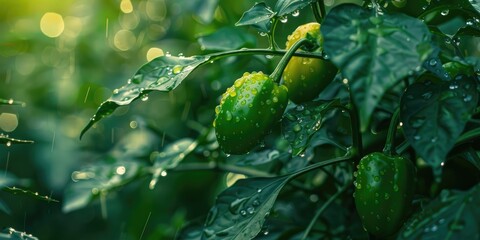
392,129
277,73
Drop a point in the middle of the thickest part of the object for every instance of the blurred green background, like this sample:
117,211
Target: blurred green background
63,58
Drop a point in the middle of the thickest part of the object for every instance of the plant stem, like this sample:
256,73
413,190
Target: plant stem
392,130
271,36
315,166
317,11
221,167
277,73
357,145
322,209
219,55
402,147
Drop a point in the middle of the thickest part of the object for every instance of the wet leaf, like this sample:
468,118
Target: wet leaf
434,114
258,17
284,7
452,215
240,210
163,74
227,38
97,179
302,122
205,10
257,158
170,157
366,47
12,234
8,141
136,144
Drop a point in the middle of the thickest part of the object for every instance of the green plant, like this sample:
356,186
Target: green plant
306,77
384,191
247,112
391,90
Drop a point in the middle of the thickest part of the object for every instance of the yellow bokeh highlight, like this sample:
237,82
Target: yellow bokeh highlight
153,53
126,6
124,40
8,122
52,24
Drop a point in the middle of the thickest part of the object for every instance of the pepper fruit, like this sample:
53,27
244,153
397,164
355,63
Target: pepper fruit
306,77
384,188
247,112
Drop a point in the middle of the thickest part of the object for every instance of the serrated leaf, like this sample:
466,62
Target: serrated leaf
170,157
227,38
10,102
12,234
284,7
434,114
452,215
8,141
163,74
258,17
97,179
301,123
240,210
367,49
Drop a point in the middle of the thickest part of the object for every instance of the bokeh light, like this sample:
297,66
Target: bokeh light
154,53
52,24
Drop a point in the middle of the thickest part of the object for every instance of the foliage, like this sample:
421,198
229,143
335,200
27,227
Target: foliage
407,83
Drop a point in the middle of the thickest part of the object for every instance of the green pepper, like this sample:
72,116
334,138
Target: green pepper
247,112
306,77
384,188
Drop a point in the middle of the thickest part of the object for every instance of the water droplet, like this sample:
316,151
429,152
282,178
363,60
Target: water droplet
243,212
263,34
259,190
417,122
295,13
251,210
121,170
467,98
283,19
427,95
300,108
256,202
228,115
432,62
469,22
116,91
434,139
417,137
445,12
8,144
395,188
268,56
144,97
297,128
177,69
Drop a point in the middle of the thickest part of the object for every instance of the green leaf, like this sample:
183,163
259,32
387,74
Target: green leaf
10,102
163,74
284,7
170,157
227,38
434,114
258,17
240,210
205,10
452,215
256,158
98,179
136,144
8,141
12,234
475,4
303,121
367,49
